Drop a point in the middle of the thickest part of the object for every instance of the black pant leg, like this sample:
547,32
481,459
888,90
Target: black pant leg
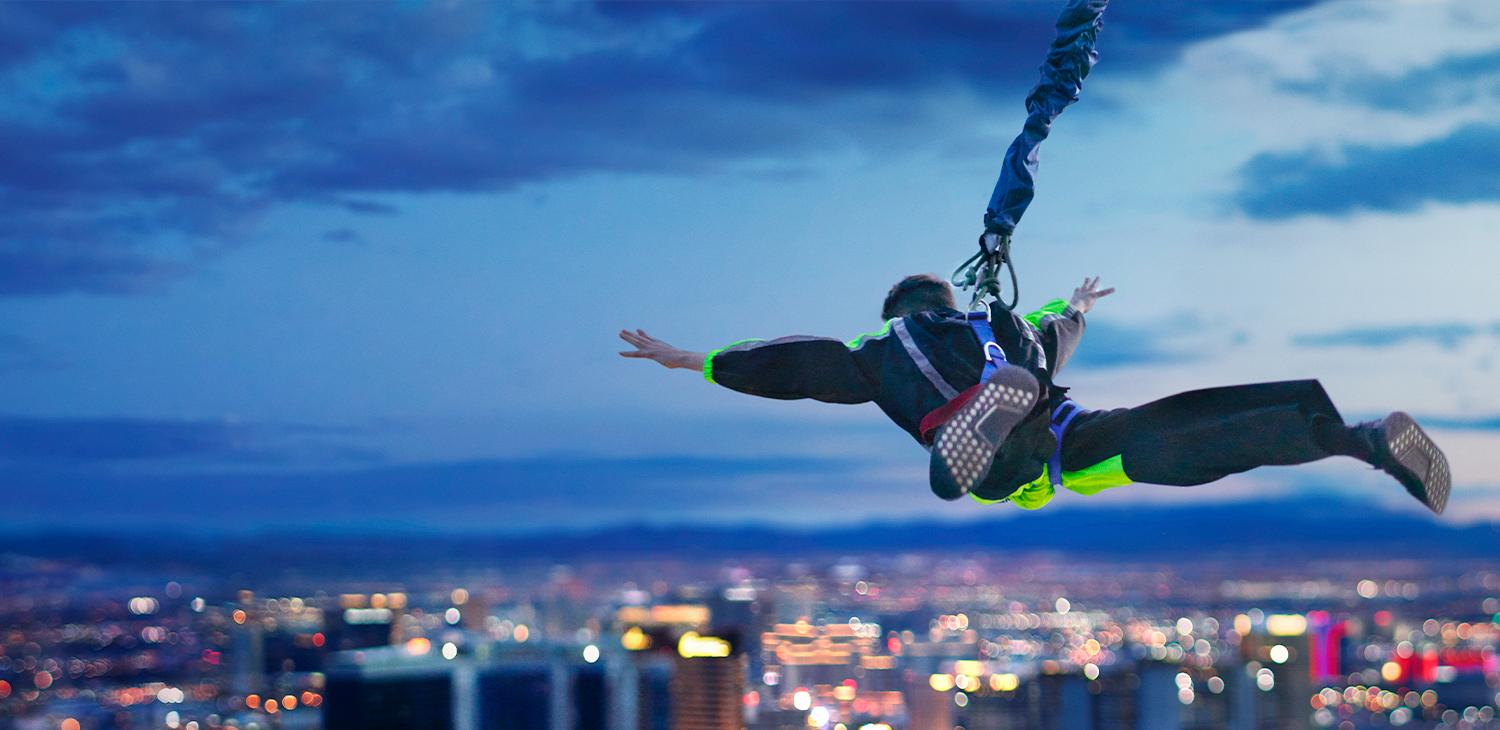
1204,435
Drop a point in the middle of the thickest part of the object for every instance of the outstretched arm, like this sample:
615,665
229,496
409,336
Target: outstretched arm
788,368
650,348
1061,323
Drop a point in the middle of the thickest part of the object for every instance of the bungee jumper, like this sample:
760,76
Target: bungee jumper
977,386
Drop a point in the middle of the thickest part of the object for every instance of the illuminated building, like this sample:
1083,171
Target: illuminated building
1279,665
359,621
822,658
708,684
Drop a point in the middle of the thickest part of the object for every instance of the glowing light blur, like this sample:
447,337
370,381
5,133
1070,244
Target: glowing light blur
694,646
635,640
1282,624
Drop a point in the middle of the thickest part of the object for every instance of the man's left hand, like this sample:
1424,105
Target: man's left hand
1085,295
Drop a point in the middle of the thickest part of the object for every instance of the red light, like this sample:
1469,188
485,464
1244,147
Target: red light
318,639
752,699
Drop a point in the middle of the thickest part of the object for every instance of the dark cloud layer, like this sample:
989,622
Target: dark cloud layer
82,444
1456,168
139,138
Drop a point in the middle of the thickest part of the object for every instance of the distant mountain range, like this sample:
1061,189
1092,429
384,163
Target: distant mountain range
1275,529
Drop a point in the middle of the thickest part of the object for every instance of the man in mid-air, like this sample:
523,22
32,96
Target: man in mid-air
978,389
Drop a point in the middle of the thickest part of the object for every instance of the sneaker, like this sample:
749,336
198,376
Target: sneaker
1403,450
966,445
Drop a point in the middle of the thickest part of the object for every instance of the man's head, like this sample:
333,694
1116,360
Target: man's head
917,293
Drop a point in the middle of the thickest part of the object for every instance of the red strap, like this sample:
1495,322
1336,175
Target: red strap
942,413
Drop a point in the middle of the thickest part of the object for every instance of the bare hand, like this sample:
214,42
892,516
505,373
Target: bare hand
1085,296
650,348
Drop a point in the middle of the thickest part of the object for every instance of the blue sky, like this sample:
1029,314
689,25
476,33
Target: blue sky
336,265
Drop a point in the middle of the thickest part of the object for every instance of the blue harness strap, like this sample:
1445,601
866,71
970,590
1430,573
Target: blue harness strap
1062,416
993,355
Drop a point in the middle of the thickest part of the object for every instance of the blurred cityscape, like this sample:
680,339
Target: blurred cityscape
352,632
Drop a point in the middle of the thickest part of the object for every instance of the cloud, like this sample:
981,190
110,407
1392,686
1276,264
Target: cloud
1181,338
1456,168
140,139
1477,423
343,235
1449,83
1448,335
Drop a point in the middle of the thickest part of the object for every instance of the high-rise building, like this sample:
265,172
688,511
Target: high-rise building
246,654
707,691
499,686
1157,698
390,698
928,708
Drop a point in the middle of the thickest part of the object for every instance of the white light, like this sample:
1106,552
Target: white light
818,717
1265,680
174,720
1063,606
591,653
452,616
1184,680
802,700
1280,654
450,650
143,605
1184,626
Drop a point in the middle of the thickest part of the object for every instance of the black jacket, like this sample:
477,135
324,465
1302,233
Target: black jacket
909,368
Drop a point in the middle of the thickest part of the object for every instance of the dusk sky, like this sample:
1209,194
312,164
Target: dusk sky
360,265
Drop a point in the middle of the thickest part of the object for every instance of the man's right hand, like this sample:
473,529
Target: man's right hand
1085,295
650,348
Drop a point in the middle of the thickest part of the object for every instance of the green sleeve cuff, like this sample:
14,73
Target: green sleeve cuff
1056,306
708,366
708,362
